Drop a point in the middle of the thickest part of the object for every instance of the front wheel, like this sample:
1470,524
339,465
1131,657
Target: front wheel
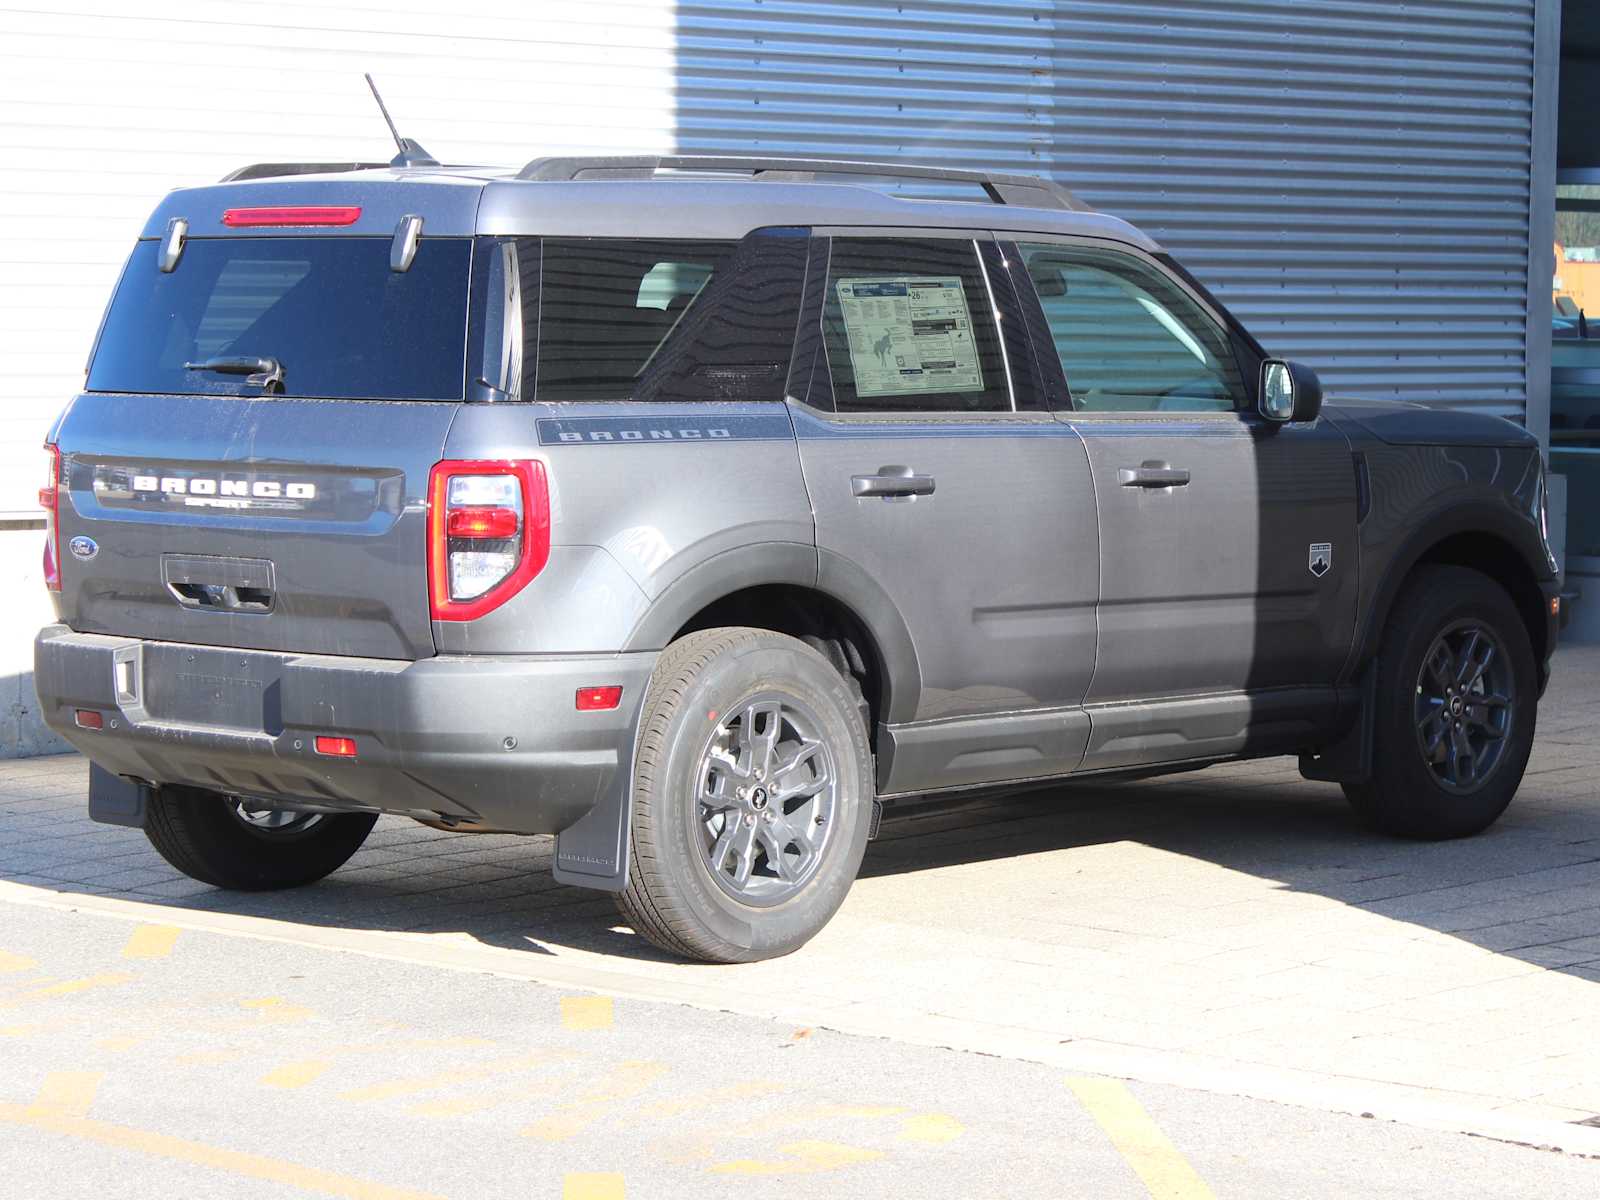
752,797
245,846
1457,698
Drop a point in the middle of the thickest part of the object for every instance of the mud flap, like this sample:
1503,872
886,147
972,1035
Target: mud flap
592,852
1348,760
114,800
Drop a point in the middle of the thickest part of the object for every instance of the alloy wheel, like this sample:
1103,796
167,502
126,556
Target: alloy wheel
1465,705
767,794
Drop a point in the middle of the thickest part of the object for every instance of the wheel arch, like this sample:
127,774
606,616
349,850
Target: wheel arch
784,588
1501,545
1486,539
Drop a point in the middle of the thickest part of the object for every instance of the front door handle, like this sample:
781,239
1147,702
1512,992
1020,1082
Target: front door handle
1153,475
892,481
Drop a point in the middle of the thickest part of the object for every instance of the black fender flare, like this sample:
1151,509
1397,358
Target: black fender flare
1477,517
722,574
795,564
1349,758
593,851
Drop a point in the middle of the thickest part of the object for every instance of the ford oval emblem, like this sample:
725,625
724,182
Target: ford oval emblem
83,547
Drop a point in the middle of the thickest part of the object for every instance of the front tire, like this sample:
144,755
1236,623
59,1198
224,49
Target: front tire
232,843
1456,702
752,797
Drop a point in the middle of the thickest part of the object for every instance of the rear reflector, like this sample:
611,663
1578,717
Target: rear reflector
338,747
87,718
324,214
598,699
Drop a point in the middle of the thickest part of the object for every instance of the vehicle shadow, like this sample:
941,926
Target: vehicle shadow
1528,888
1260,820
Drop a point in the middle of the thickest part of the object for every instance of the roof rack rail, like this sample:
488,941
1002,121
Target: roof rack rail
1030,190
274,170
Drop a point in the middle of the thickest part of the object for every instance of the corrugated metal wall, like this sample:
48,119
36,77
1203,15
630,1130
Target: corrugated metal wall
1351,175
107,105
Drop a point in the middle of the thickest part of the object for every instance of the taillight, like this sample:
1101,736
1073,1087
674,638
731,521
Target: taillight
49,500
303,214
488,534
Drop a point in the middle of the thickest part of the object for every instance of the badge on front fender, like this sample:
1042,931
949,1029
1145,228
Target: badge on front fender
1321,558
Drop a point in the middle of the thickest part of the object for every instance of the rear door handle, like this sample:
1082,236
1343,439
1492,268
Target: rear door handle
1153,475
892,481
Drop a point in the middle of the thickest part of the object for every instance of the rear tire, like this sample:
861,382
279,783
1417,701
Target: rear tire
1456,699
752,797
206,836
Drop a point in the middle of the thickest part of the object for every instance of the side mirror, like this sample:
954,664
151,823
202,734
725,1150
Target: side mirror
1290,391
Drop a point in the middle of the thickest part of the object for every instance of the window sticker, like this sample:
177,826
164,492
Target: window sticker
909,334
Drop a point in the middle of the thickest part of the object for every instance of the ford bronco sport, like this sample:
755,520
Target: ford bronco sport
689,509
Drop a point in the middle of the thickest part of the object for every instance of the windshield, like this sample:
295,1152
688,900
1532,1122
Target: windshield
328,311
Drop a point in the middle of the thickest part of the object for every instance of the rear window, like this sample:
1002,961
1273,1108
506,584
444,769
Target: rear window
329,310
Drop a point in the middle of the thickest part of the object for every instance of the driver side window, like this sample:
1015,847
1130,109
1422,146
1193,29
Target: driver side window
1129,339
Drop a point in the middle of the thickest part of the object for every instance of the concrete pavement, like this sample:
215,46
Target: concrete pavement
1230,930
139,1059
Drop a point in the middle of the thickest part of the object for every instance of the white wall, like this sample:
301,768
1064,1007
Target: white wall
105,106
24,606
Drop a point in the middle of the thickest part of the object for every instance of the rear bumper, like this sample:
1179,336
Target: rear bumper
495,740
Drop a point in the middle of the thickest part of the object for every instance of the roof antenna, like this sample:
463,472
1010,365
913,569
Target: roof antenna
411,154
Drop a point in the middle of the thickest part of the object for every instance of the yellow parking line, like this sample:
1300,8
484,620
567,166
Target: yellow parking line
69,988
66,1094
160,1145
300,1072
466,1106
801,1158
586,1012
1165,1173
623,1082
150,941
579,1186
10,963
695,1101
208,1058
427,1083
277,1009
296,1074
930,1128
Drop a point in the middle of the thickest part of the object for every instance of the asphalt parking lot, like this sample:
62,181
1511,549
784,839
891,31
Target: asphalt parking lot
1184,987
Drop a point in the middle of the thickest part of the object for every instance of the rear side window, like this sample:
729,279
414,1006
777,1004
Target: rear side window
663,319
327,309
909,327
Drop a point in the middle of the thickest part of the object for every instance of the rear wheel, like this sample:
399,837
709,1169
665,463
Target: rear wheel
1457,696
752,797
245,845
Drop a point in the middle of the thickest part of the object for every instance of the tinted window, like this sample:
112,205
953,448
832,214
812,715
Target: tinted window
329,309
1129,338
673,320
909,327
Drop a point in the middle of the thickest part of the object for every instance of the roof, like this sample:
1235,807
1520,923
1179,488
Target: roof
630,200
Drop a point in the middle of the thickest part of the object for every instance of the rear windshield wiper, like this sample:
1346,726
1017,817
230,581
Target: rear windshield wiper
266,373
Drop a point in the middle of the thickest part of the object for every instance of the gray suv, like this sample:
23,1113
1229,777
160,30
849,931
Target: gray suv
691,509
